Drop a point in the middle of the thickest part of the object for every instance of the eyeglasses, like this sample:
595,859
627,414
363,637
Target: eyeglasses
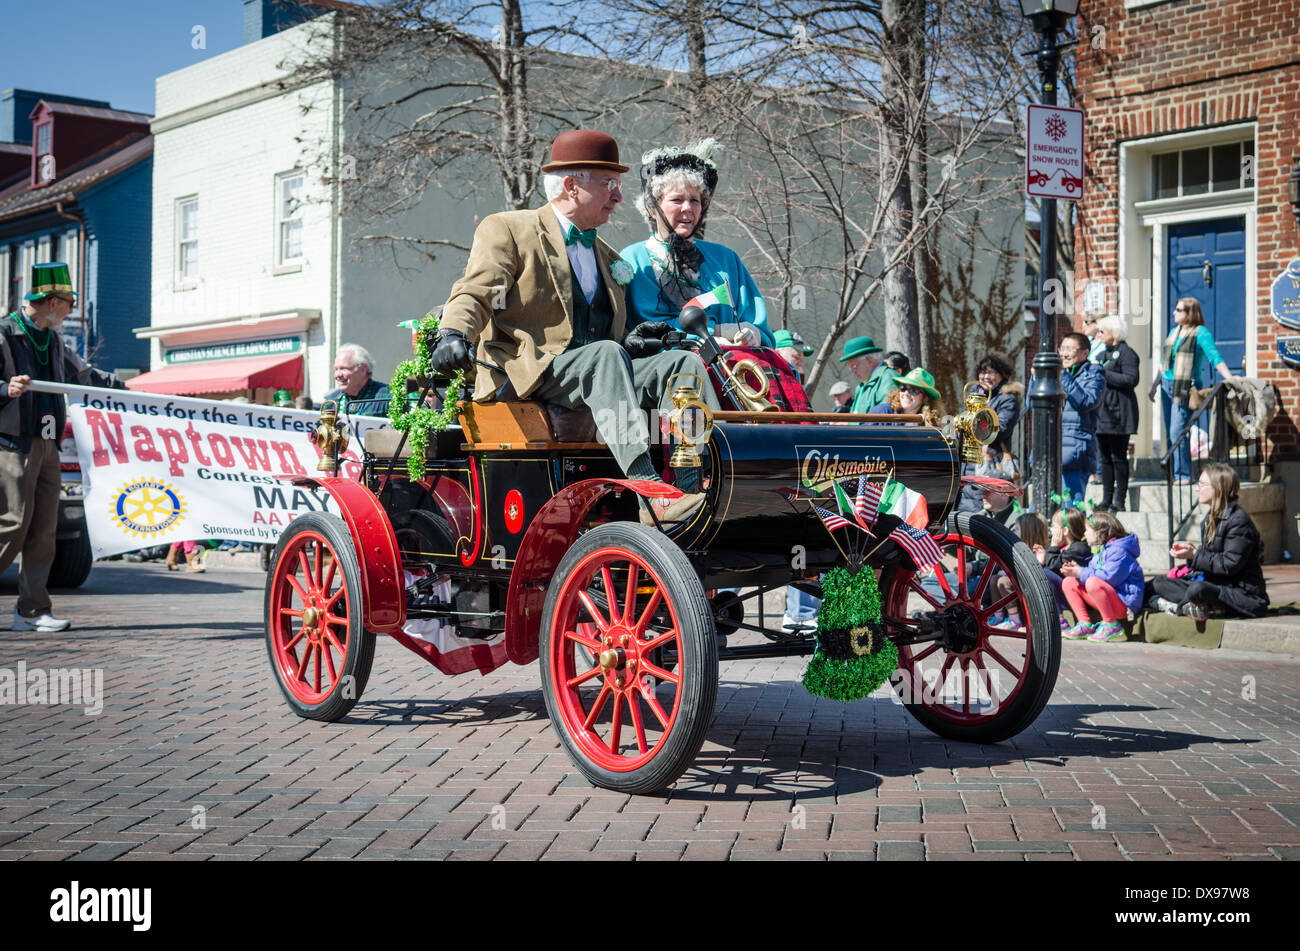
908,389
1180,309
612,184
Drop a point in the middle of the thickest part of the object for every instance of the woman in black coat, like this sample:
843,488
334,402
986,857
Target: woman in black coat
1117,418
1225,573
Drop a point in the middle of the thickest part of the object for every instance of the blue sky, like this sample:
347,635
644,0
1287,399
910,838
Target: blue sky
112,49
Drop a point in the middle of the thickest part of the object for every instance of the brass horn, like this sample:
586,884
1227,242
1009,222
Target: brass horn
746,396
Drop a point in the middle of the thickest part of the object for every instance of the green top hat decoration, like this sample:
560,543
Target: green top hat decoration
50,279
284,399
853,656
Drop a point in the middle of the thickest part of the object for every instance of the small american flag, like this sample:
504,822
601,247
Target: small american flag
832,520
918,544
867,502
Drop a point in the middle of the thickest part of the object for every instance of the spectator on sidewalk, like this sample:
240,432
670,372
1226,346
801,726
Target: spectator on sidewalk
1111,582
792,349
354,374
898,362
1082,383
30,426
1065,544
841,397
994,373
1092,330
1117,419
861,354
1188,346
1224,574
914,393
193,552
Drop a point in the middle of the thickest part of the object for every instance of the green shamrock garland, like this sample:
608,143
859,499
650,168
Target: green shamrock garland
853,655
418,421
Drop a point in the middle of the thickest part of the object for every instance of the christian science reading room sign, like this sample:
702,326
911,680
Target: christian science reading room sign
1054,153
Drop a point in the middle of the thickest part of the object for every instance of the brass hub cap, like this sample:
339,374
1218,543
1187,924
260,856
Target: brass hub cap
310,617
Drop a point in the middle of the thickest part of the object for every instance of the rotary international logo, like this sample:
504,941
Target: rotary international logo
147,507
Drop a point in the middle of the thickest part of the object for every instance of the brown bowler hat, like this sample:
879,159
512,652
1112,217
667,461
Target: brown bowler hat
584,148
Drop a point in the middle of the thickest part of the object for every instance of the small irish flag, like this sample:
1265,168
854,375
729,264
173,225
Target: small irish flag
902,502
719,295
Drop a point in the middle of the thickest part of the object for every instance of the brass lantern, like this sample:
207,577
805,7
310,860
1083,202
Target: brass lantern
331,437
686,403
977,424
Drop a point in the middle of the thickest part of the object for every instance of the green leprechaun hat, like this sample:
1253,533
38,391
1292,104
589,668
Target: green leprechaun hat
853,655
49,279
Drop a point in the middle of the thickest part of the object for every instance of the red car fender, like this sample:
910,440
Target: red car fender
383,595
552,532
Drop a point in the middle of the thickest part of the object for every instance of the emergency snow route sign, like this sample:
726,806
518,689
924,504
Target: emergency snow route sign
1054,153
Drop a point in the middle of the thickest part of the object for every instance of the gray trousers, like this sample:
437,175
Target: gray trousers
29,517
617,389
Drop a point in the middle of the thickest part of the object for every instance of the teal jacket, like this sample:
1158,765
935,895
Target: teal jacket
721,265
1209,352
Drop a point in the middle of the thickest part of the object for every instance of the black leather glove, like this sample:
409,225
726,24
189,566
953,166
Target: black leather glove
646,339
452,352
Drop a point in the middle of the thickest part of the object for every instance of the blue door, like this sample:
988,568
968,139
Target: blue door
1207,260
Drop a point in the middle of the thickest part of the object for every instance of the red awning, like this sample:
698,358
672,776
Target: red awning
223,376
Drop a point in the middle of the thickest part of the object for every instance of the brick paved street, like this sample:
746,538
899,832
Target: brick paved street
1146,752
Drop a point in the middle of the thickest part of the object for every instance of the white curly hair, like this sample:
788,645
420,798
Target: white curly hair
657,185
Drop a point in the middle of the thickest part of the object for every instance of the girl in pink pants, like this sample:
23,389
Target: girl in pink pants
1111,583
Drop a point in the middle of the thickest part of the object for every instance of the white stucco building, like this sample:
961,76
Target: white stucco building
245,251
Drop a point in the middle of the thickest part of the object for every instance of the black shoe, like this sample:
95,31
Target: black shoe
1194,610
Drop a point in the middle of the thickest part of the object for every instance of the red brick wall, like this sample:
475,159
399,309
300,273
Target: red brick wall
1180,66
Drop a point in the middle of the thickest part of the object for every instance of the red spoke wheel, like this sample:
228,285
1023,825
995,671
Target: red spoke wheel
629,658
319,650
976,682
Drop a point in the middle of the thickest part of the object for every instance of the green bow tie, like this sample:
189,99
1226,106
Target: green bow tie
586,238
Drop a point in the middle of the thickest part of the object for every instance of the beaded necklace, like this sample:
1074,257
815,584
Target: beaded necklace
42,350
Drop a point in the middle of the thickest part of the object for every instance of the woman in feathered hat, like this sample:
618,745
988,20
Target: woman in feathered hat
675,265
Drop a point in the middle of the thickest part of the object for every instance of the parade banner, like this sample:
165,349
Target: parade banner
157,469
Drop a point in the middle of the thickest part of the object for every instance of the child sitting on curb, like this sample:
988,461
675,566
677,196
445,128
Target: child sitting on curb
1031,529
1065,544
1111,583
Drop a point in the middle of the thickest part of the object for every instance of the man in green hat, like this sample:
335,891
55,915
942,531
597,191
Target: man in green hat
31,425
877,378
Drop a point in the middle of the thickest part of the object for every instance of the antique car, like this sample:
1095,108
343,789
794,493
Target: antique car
520,541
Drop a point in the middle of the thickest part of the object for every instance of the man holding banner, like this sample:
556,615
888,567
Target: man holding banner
31,424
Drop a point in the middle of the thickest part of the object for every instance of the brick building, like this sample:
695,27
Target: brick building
1193,123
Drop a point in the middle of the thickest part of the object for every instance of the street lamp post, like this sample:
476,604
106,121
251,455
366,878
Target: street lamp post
1045,394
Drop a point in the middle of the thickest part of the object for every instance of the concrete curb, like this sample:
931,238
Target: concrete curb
1280,635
